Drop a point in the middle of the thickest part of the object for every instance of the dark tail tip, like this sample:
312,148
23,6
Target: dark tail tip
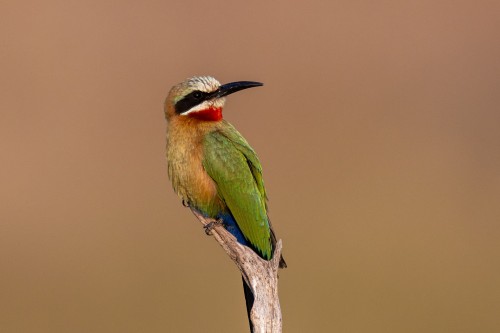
282,263
249,301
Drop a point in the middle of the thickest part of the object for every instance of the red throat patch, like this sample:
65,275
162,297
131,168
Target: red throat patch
211,114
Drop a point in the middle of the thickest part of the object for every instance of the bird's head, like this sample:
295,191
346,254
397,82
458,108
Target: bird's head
201,97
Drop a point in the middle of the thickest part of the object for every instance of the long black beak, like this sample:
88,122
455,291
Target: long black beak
233,87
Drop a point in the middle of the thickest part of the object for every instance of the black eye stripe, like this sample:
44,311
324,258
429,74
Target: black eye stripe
192,99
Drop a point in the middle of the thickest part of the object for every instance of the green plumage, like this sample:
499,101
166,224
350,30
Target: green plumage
233,165
212,167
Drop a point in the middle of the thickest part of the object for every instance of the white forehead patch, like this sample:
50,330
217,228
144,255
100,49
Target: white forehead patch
203,83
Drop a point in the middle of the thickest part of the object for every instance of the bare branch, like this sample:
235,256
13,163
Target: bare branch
261,275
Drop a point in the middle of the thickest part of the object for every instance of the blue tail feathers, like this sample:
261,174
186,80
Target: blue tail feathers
232,227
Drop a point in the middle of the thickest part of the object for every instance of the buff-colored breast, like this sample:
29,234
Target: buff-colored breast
185,169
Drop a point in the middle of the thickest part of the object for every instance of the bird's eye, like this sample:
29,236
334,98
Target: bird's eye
197,94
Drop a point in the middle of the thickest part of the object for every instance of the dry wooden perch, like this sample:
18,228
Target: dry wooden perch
261,275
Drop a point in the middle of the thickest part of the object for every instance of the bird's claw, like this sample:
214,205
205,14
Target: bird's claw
209,226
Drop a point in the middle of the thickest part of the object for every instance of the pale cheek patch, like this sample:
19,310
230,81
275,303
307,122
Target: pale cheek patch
211,104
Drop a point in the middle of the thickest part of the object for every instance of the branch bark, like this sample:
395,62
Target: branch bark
261,275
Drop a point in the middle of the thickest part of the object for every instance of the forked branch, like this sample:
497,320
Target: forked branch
261,275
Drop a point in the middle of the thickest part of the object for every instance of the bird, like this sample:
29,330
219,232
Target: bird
212,167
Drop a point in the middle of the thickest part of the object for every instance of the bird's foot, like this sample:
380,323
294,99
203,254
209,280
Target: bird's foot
209,226
185,203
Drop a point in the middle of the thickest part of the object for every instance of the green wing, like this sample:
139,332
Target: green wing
235,168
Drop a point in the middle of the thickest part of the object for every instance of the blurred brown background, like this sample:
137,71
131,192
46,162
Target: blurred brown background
377,127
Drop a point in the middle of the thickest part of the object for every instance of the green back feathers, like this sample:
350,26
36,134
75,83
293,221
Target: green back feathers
233,165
